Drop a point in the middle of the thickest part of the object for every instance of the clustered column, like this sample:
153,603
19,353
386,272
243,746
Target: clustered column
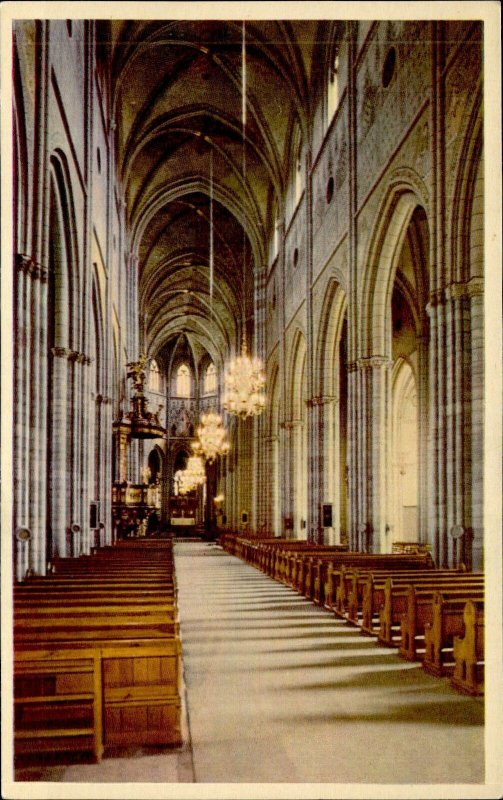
30,412
456,538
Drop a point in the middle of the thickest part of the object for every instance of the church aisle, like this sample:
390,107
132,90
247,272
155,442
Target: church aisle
279,690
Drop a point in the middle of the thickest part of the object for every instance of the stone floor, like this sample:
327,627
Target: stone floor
280,691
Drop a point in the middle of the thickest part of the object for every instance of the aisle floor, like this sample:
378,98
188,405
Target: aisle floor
279,690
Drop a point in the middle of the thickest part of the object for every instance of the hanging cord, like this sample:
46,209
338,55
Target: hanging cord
243,120
211,234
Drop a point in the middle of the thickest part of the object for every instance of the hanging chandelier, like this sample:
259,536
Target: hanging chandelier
244,383
244,379
212,436
194,474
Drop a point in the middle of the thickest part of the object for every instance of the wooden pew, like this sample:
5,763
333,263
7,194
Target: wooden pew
420,612
58,703
24,612
119,610
140,692
372,590
447,622
287,558
342,575
396,598
468,674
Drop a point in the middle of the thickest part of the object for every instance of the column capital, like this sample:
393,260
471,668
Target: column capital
60,352
29,266
457,290
290,424
369,362
320,400
471,288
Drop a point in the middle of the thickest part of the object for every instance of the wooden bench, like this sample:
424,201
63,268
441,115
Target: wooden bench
419,613
468,674
396,598
58,703
371,585
341,574
301,566
447,622
120,612
140,692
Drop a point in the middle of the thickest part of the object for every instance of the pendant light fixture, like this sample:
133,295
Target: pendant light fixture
212,436
244,378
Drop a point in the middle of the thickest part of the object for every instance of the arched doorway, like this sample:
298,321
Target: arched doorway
393,379
405,461
409,382
332,414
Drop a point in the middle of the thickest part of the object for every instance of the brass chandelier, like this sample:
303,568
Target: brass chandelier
244,378
194,474
244,384
212,436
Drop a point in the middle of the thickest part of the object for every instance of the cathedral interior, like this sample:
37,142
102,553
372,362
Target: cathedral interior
249,342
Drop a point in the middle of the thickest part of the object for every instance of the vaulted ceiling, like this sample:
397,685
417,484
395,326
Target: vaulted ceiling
177,104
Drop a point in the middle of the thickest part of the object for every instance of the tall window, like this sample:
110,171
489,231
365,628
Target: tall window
154,378
183,381
210,380
333,89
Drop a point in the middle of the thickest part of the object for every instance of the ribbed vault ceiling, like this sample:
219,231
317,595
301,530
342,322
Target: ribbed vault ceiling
177,105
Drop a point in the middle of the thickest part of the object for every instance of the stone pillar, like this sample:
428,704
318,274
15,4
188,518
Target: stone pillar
260,472
353,455
356,432
106,473
423,446
322,478
452,435
132,330
73,415
318,464
436,310
312,415
284,476
86,488
37,464
21,392
291,430
283,444
475,292
378,477
370,397
329,453
58,468
314,530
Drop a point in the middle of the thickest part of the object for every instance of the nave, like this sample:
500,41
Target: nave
280,690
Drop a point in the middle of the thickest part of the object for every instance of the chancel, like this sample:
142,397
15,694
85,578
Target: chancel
248,423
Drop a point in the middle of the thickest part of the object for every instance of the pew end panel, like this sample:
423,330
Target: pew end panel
57,704
141,688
